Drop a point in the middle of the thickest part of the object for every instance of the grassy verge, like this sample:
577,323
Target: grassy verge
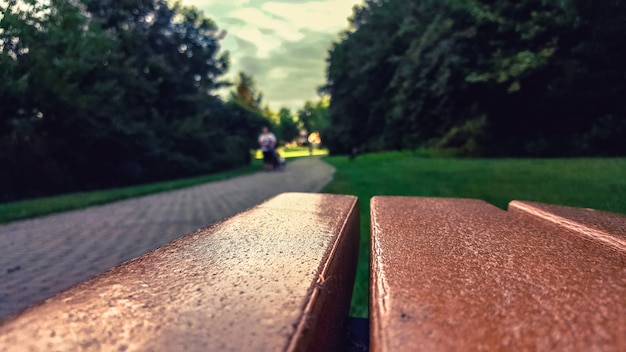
44,206
598,183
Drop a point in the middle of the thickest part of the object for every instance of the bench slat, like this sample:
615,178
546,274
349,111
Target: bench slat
603,227
258,281
460,274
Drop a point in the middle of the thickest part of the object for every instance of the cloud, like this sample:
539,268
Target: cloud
282,43
320,16
209,3
244,45
233,21
258,27
292,73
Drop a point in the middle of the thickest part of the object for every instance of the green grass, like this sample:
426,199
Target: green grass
44,206
598,183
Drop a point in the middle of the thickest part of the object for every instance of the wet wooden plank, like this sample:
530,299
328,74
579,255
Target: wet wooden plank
276,277
460,274
600,226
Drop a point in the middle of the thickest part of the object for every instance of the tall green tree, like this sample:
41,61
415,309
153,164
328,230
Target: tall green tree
533,77
51,64
96,93
288,127
314,116
247,96
246,93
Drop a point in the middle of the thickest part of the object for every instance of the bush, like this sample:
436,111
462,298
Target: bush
465,140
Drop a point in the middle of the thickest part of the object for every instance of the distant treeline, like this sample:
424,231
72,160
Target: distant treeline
100,93
481,77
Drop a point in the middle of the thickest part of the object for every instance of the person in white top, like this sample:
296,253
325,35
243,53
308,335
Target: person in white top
267,142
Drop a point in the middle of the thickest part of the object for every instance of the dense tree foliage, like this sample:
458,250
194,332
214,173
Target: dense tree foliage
246,93
485,77
314,116
288,126
100,93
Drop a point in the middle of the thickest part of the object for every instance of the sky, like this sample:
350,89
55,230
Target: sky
283,44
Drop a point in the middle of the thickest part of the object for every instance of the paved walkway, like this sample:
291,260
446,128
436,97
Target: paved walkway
41,257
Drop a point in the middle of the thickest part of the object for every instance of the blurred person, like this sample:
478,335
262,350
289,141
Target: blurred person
267,142
313,140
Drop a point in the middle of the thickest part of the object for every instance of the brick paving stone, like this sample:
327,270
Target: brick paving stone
59,251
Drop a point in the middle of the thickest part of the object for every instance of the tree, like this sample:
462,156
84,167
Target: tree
359,71
97,94
166,69
288,128
52,84
488,77
246,93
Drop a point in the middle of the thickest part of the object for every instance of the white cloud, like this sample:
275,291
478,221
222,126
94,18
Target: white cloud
293,72
207,3
264,43
323,16
265,31
282,44
277,73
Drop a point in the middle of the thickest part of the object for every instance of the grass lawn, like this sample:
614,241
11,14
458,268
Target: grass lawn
598,183
44,206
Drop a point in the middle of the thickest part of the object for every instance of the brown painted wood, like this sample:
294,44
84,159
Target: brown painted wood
463,275
276,277
599,226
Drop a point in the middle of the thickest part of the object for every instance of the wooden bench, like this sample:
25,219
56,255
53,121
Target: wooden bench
276,277
446,274
463,275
